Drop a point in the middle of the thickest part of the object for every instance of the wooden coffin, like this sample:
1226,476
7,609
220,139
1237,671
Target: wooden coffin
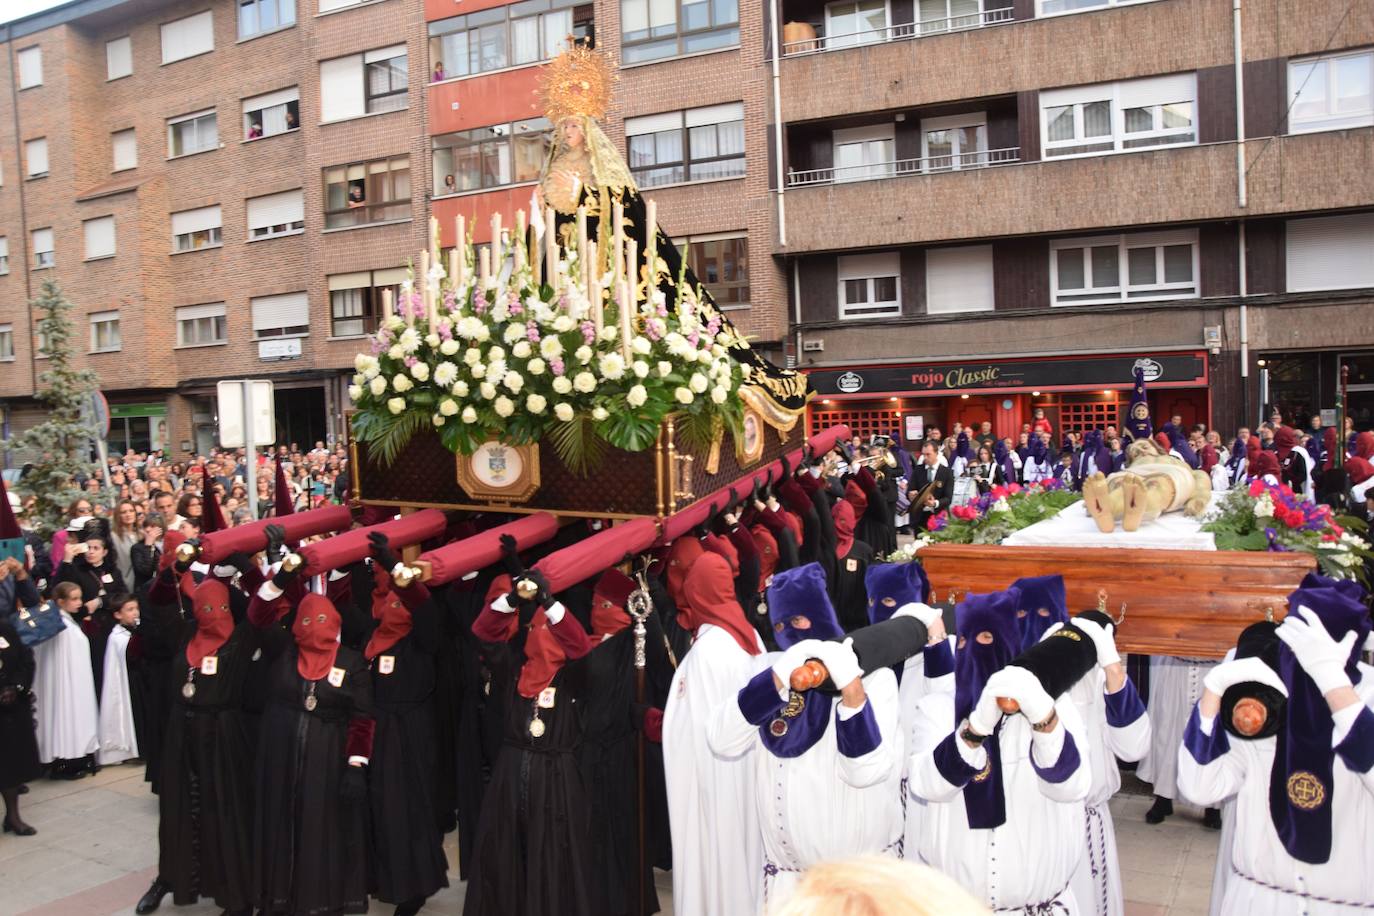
1190,603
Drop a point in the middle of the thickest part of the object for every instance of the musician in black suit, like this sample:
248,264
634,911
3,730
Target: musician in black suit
928,470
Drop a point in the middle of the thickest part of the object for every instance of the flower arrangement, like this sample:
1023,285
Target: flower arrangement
574,346
991,517
1264,516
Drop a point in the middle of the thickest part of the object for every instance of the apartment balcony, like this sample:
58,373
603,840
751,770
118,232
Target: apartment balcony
1291,174
930,165
899,32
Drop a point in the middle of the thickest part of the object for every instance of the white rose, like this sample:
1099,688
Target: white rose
396,405
609,332
438,420
478,370
467,327
483,332
563,324
583,354
359,378
641,345
584,382
396,352
599,414
514,332
432,340
472,356
521,350
487,390
469,415
460,389
684,395
395,322
377,386
612,366
562,385
535,366
704,356
637,396
448,407
420,372
504,406
448,347
717,351
722,338
536,403
719,394
697,383
496,355
445,374
563,411
550,347
366,363
1264,507
514,381
355,393
641,368
664,368
409,341
402,384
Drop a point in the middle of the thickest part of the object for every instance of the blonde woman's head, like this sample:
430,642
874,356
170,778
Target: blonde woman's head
878,886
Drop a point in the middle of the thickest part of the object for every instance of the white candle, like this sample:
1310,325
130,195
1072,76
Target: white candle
426,289
617,240
434,240
521,240
551,247
626,306
651,241
582,255
496,256
387,308
483,271
460,248
632,264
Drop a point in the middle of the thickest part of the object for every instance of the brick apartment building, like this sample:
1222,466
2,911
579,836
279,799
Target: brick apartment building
956,210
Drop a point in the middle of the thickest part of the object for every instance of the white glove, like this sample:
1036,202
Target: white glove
794,658
1020,685
840,661
922,612
1321,657
1240,670
501,605
1102,639
986,714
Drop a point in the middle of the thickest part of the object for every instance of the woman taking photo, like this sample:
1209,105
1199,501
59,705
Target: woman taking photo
124,534
984,470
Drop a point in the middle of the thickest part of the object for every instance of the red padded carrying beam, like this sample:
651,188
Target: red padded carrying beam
590,556
252,537
455,560
352,546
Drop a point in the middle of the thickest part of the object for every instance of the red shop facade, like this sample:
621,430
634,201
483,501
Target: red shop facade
1076,392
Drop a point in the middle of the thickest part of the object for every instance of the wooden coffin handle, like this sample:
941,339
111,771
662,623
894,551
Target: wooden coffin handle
1008,705
1248,716
812,674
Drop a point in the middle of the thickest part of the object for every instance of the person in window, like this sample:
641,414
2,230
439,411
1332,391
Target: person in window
356,197
438,76
292,122
254,131
450,186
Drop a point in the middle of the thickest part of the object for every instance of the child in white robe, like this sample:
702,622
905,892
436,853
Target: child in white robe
118,737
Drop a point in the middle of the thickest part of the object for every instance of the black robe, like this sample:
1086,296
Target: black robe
403,776
309,842
877,528
532,855
206,790
848,593
160,635
607,758
18,744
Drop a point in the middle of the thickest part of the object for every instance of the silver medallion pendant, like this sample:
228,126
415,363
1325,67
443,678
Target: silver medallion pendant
311,703
537,728
777,728
188,690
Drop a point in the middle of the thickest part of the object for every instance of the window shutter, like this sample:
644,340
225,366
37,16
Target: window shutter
280,97
188,37
125,144
36,156
4,247
196,220
276,209
372,57
390,277
328,5
341,88
959,279
714,114
100,237
42,240
288,310
30,67
208,310
119,58
359,280
652,124
1332,252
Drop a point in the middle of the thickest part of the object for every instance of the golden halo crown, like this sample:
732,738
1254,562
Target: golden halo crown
579,81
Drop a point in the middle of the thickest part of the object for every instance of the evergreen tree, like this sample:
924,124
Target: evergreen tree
62,444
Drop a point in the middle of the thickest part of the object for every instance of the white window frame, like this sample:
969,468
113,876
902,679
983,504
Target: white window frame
282,98
1153,91
975,119
99,321
183,23
1122,291
277,332
29,66
1330,120
6,343
684,122
1353,232
119,58
214,234
196,116
212,314
868,171
97,225
115,165
39,262
4,255
854,39
30,147
344,91
1095,6
950,22
282,6
868,267
276,230
987,304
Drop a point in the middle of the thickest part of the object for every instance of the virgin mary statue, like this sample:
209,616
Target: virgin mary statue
584,169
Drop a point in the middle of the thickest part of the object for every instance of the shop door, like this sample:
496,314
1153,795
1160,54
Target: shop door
301,418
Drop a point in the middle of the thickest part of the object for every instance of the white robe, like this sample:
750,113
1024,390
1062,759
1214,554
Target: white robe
1342,885
717,848
821,805
118,741
1037,471
1175,686
1030,858
1097,880
64,692
916,684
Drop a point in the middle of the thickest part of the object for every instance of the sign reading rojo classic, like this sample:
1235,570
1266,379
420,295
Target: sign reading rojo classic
1165,370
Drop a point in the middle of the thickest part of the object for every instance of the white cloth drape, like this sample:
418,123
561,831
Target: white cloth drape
64,692
118,741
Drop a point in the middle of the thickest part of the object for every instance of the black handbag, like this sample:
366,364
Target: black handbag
38,625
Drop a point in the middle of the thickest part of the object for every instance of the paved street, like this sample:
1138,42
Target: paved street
96,849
